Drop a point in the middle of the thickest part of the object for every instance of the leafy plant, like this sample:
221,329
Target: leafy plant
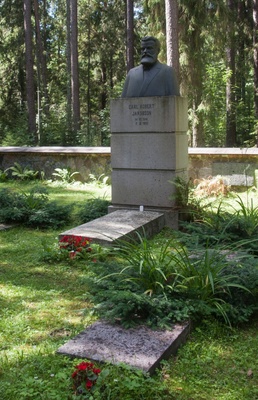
204,278
92,209
150,268
3,175
32,209
100,181
164,283
65,175
84,378
183,189
245,220
75,249
23,174
190,205
74,245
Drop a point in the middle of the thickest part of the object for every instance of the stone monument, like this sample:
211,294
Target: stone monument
149,144
148,150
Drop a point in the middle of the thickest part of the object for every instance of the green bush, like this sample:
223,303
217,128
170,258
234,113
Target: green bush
150,268
92,209
65,175
3,175
162,284
32,209
26,173
117,300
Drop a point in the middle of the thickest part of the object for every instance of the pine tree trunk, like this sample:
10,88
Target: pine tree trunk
129,35
171,8
65,138
75,67
42,71
255,43
30,91
231,83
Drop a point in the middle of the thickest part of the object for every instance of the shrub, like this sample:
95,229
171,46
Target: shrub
3,175
32,209
92,209
26,173
148,267
160,285
65,175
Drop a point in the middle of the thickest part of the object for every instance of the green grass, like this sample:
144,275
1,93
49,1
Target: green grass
72,193
216,363
41,308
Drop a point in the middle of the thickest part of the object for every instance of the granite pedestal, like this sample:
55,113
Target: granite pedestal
149,149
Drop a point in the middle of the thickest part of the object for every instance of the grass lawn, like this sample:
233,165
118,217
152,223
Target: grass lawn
41,307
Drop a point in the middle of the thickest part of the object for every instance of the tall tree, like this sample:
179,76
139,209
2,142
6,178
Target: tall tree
30,90
231,83
193,26
255,57
171,8
75,66
43,97
129,34
65,138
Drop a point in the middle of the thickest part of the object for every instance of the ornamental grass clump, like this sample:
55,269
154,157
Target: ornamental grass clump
149,268
84,378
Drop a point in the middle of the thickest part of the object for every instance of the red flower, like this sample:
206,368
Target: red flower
84,365
96,371
74,374
89,384
71,242
85,374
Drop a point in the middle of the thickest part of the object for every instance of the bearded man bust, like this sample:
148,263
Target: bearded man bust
151,78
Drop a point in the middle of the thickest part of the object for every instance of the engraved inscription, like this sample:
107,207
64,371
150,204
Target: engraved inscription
141,113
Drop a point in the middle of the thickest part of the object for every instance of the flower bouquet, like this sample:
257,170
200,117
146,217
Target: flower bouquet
84,377
74,245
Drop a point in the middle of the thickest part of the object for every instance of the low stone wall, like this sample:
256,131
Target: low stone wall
85,160
236,165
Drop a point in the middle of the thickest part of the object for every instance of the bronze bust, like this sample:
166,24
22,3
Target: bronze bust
151,78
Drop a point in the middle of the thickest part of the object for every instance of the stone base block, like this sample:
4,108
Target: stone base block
150,188
153,151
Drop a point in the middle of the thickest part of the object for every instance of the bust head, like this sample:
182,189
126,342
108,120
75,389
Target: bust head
150,48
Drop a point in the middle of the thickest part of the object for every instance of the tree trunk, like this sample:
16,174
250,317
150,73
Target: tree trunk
75,66
30,92
255,44
129,35
42,71
171,8
231,83
65,138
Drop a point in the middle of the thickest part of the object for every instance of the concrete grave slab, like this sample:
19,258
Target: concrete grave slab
120,224
140,347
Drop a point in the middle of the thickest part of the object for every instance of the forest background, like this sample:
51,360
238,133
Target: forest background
61,61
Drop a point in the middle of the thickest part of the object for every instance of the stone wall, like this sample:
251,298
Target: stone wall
85,160
237,165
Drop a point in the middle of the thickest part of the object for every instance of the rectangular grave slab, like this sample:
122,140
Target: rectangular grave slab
141,347
119,225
